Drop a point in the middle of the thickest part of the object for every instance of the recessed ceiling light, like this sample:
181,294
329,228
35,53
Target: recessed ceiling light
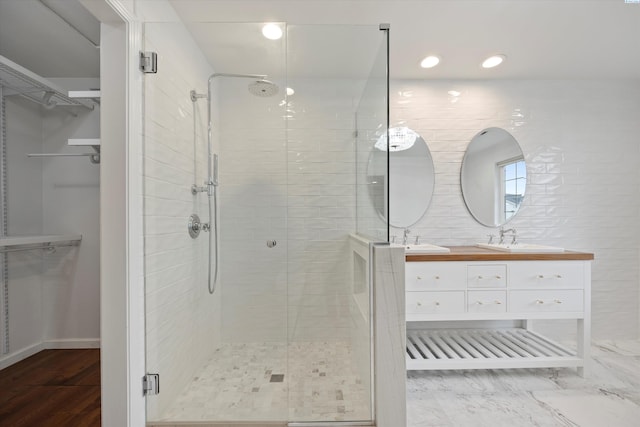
493,61
454,93
272,31
290,91
430,61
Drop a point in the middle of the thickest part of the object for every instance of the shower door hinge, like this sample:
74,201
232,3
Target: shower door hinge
149,62
150,384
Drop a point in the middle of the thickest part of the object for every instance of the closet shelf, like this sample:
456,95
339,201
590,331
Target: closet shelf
49,242
92,142
93,95
17,80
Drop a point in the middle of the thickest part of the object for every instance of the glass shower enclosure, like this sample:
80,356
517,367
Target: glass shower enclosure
291,124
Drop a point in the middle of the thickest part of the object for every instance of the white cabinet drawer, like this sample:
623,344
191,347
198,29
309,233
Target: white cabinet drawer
546,275
487,302
427,276
545,301
435,302
487,276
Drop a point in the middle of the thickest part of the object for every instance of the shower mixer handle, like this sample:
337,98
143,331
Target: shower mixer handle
195,189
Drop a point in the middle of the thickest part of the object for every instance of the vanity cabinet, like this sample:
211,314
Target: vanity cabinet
445,293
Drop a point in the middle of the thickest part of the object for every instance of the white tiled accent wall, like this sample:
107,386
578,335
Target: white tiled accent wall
321,208
183,319
581,141
295,186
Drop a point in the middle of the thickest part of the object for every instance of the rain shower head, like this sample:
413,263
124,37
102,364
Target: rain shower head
263,88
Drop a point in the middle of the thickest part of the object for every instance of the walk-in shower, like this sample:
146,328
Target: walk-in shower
287,335
260,86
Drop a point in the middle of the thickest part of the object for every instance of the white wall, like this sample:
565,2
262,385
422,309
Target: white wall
182,318
53,297
296,187
24,216
71,192
581,141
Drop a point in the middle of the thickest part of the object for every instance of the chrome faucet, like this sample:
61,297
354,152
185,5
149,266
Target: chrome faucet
405,236
513,235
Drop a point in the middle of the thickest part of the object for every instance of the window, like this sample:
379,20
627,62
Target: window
513,178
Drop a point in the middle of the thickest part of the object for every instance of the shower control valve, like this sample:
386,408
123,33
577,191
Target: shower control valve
194,226
195,189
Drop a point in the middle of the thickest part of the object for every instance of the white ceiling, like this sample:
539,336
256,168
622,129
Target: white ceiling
543,39
38,39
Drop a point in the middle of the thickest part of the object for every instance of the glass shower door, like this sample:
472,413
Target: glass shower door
286,336
336,71
221,357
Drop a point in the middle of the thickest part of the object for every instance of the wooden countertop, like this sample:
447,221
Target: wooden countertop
475,253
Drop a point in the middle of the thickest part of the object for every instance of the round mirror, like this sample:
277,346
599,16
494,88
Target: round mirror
411,177
493,177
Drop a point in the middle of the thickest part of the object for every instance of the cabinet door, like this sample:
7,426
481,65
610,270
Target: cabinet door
435,302
487,302
427,276
487,276
546,275
546,301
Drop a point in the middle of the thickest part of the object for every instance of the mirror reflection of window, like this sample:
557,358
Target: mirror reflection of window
411,179
513,181
493,177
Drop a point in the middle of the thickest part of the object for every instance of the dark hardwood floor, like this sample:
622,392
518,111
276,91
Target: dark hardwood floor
52,388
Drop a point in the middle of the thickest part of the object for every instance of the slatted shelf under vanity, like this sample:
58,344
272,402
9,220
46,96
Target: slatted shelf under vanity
440,349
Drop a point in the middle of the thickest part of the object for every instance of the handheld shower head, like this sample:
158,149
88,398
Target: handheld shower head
263,88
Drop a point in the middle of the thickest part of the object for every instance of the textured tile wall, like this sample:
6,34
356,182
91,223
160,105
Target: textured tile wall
294,186
581,141
182,319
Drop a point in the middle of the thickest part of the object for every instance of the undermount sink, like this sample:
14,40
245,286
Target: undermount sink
425,248
521,247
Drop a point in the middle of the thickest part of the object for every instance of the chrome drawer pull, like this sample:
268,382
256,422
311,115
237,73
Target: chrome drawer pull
419,278
539,301
558,276
479,277
437,277
437,302
495,302
540,276
498,277
557,301
419,304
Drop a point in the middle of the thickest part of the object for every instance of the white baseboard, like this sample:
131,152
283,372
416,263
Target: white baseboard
72,343
12,358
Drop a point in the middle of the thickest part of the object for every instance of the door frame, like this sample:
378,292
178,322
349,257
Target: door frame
121,224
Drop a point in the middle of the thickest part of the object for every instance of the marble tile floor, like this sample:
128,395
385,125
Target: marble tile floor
265,382
609,397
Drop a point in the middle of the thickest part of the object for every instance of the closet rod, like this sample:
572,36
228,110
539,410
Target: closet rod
62,154
93,157
45,246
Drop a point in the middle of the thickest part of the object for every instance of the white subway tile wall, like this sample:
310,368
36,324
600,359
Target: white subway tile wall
581,141
182,319
292,181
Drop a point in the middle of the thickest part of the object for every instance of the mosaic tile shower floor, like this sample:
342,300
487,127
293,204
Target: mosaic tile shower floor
252,382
